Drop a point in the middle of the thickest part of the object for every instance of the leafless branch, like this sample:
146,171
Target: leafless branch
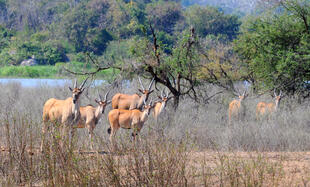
96,64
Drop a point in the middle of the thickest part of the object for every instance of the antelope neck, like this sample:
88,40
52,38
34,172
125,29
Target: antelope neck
75,106
98,111
76,109
276,104
163,104
144,116
142,97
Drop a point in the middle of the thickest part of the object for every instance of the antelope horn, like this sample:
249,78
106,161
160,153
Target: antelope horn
280,93
87,96
144,101
162,92
236,91
99,95
274,92
83,83
244,93
106,95
75,82
151,83
151,102
141,83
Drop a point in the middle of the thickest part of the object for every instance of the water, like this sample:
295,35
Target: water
39,82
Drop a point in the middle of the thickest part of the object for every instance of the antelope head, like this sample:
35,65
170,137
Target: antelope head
241,96
164,96
244,95
77,91
146,92
277,97
147,108
103,102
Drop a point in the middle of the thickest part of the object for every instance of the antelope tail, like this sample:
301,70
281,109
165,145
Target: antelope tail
109,130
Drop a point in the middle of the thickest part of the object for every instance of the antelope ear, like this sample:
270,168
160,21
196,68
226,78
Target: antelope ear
151,91
140,90
109,102
169,99
70,89
159,97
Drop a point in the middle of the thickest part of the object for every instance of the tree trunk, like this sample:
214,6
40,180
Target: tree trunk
176,101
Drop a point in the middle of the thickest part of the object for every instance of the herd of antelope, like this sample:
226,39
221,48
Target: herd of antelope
236,109
128,111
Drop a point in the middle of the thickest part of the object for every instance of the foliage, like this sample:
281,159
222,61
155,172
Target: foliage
177,70
276,48
117,51
29,71
5,37
46,71
164,15
98,40
17,49
220,65
210,21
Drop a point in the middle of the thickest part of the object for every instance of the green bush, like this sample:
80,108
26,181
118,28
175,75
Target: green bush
29,71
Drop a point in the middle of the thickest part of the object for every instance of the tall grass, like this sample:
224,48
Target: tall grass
192,146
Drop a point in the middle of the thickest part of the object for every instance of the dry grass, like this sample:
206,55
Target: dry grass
192,146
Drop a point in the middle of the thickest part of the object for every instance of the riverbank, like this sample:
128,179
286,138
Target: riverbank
35,82
47,72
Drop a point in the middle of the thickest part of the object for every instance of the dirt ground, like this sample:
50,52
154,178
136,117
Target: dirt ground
293,167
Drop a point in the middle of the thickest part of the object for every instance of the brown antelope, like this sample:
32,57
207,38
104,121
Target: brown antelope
65,112
128,119
89,115
161,104
235,109
263,108
135,101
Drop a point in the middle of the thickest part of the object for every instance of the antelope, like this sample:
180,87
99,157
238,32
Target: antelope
90,115
65,112
235,109
161,104
135,101
128,119
263,108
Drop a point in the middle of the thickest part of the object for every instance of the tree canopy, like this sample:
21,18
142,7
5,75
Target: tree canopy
275,46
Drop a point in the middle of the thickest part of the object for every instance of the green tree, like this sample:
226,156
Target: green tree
276,48
164,15
176,70
98,40
210,21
